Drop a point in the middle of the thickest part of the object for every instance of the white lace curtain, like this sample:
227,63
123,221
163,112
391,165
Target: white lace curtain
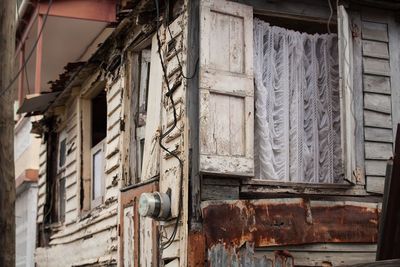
297,118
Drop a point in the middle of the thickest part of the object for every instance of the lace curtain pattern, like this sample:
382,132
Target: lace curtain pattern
297,118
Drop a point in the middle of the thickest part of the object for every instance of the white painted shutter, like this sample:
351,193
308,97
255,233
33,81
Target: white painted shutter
226,88
151,158
346,94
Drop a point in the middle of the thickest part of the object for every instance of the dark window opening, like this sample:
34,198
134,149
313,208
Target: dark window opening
301,25
99,118
63,154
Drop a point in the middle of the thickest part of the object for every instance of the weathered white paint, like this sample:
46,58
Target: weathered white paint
226,88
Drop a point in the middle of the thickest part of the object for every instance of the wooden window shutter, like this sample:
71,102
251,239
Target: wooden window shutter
226,88
346,94
151,160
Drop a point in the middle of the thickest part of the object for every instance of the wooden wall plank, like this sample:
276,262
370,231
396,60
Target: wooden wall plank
375,150
375,31
394,49
376,66
378,135
375,49
375,167
376,184
377,102
377,119
376,84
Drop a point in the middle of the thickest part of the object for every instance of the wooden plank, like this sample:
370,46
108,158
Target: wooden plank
377,102
378,134
394,49
219,106
151,152
376,119
376,84
376,66
237,126
375,167
375,150
193,115
227,88
215,192
358,90
375,49
375,31
375,184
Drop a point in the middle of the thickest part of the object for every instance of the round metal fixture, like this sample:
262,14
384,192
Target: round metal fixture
156,205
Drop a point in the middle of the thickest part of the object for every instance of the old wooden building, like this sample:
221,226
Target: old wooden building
266,126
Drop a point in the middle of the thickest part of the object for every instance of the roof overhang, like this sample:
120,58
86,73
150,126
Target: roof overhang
36,104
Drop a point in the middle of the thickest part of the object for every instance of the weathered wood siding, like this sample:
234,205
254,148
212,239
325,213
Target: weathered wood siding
72,186
89,237
376,72
42,181
177,141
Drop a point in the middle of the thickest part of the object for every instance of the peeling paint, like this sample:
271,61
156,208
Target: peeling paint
274,222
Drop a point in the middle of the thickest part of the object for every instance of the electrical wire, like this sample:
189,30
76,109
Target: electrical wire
330,17
179,61
30,53
166,133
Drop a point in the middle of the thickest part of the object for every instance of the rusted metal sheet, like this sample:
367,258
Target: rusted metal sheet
271,222
196,249
228,256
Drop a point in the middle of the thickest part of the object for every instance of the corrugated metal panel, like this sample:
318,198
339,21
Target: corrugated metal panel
222,255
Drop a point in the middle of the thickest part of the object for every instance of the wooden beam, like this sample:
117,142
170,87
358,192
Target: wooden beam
7,94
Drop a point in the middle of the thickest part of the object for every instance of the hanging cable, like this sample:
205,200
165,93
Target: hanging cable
163,135
30,53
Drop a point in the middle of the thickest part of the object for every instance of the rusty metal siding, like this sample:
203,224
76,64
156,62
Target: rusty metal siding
272,222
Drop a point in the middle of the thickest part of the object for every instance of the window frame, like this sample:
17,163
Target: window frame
353,176
237,167
139,81
90,90
99,147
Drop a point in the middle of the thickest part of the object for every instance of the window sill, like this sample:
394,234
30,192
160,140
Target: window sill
345,185
262,188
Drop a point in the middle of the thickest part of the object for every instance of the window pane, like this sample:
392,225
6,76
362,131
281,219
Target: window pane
97,173
61,161
62,199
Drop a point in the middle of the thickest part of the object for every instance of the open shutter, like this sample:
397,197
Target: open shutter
346,94
226,88
151,160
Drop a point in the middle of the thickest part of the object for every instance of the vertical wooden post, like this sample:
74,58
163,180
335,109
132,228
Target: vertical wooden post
39,48
7,179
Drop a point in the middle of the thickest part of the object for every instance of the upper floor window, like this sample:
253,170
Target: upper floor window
297,105
275,103
97,159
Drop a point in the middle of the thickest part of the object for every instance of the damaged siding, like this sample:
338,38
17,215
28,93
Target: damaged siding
42,181
268,232
72,163
88,238
378,127
177,140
